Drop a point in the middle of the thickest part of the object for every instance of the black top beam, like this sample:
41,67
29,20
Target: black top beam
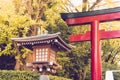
89,13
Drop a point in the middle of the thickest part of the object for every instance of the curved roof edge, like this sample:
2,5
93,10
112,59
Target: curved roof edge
46,38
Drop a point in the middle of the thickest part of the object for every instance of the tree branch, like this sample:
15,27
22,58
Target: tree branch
93,6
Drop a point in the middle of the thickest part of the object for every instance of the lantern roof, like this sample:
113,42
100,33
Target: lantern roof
52,39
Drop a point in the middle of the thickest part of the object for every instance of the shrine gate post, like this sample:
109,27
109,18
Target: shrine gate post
95,35
95,51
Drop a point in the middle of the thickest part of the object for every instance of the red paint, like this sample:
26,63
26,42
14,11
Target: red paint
95,35
103,35
80,37
89,19
95,52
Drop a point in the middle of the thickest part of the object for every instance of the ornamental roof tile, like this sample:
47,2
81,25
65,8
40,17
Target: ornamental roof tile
40,39
36,38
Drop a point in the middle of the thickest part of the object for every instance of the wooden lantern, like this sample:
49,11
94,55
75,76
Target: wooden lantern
44,53
45,48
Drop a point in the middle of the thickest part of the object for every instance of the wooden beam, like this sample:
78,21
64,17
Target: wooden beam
89,13
103,35
89,19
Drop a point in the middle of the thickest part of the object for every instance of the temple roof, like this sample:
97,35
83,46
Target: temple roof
53,39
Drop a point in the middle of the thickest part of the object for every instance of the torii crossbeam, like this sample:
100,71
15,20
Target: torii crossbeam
95,35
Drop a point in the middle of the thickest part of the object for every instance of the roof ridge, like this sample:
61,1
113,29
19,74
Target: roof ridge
58,33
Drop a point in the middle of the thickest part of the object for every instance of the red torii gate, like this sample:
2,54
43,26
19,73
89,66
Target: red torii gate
95,35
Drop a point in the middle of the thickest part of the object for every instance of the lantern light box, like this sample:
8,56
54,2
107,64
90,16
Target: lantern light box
45,48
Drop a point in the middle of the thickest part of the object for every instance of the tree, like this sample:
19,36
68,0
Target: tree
79,60
25,17
11,25
35,10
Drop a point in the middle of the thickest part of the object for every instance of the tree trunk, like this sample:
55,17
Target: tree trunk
85,6
82,74
17,66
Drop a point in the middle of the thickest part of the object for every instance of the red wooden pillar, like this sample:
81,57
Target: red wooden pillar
95,52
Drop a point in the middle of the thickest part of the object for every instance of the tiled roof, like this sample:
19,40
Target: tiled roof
46,38
36,38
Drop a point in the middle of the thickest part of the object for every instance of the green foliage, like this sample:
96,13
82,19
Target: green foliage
110,47
11,25
64,60
108,66
58,78
16,20
18,75
56,24
24,75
